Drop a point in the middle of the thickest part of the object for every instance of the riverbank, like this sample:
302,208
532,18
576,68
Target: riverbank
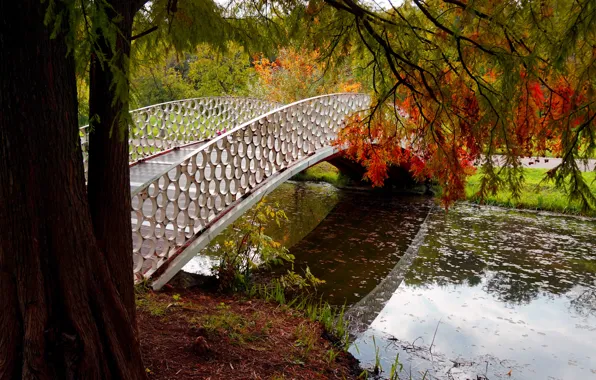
198,334
535,194
323,172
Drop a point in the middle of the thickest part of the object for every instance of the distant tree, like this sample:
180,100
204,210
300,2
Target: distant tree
222,73
298,74
159,82
206,71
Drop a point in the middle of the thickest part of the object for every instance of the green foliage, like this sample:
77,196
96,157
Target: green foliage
252,249
305,338
377,368
331,356
292,281
150,304
323,172
396,368
156,85
228,73
332,318
205,72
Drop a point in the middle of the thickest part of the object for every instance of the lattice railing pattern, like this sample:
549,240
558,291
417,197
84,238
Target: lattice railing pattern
164,126
171,209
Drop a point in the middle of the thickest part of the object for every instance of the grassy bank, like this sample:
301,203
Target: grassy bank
188,334
535,194
323,172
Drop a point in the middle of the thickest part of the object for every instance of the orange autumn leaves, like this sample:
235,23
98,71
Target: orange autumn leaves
298,74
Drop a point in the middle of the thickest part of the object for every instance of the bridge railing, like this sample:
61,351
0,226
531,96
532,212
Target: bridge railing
167,125
170,209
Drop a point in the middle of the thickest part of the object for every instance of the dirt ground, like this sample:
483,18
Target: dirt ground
195,334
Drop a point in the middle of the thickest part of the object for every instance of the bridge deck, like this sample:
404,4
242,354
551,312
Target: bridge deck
152,167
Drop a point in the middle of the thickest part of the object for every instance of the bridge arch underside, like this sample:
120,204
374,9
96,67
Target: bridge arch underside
188,201
399,178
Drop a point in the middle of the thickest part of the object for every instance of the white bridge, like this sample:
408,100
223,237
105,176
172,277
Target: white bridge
198,164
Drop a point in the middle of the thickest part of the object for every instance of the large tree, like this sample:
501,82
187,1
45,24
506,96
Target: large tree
65,281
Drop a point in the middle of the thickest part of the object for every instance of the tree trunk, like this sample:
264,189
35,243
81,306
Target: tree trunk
108,176
62,316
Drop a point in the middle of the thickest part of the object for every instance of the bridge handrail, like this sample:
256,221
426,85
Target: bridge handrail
173,207
166,125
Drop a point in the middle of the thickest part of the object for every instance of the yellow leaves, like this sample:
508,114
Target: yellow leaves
350,86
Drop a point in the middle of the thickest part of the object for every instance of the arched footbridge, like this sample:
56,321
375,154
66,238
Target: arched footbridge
199,164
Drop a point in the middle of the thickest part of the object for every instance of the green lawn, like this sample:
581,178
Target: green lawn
535,194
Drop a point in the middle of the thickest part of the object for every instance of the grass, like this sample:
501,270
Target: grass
323,172
536,194
331,318
305,337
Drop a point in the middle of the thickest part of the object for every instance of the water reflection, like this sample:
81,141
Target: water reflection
359,242
349,239
488,293
306,205
497,294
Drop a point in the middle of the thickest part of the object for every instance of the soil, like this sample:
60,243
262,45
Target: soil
199,334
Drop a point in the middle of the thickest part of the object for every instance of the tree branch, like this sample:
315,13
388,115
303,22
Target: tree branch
143,34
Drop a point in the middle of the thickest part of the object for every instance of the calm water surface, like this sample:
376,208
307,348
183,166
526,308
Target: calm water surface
493,294
482,293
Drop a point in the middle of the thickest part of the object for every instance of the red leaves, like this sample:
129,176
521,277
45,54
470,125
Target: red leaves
535,92
376,169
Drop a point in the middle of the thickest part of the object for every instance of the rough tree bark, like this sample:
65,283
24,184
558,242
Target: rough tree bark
62,315
108,176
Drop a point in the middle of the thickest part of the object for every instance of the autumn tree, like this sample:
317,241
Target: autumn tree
458,81
300,73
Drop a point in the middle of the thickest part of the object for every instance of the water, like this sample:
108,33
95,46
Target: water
359,242
482,293
497,294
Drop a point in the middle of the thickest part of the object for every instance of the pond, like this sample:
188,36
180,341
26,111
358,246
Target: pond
492,293
474,293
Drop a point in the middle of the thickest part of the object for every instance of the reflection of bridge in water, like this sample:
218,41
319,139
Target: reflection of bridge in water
198,164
